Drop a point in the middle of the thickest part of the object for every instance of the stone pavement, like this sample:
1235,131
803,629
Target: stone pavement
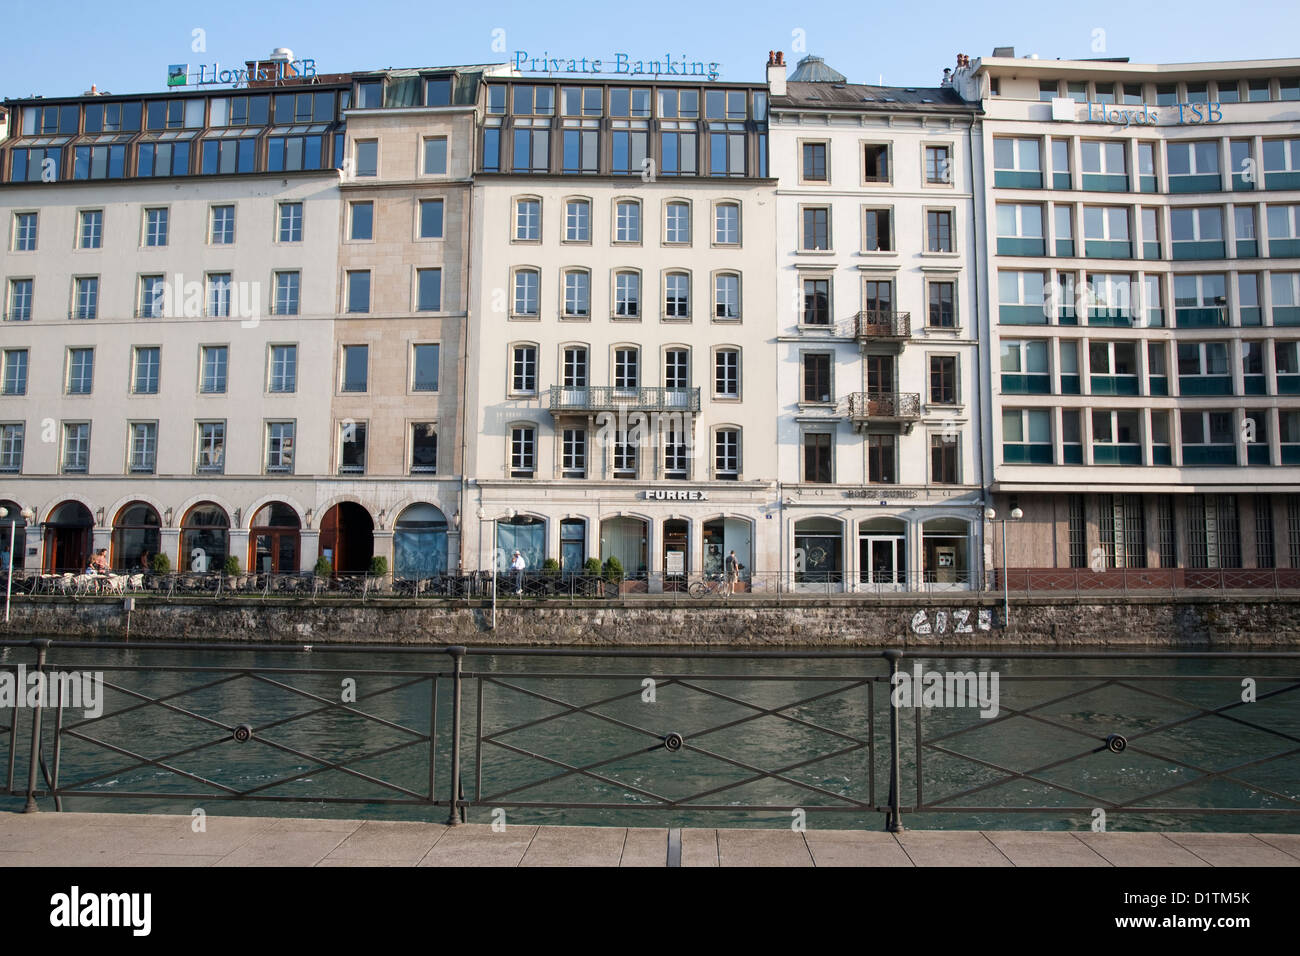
120,839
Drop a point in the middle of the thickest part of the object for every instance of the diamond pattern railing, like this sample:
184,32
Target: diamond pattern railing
1147,735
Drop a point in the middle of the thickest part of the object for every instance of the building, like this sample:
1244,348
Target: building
620,356
1142,228
877,325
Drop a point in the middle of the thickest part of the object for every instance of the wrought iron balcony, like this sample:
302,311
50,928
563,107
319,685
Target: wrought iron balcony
875,325
602,398
885,408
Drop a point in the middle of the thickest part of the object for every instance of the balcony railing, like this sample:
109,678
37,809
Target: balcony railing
878,326
595,398
892,407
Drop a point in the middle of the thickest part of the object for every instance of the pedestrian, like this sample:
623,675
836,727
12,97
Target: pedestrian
733,568
517,565
99,563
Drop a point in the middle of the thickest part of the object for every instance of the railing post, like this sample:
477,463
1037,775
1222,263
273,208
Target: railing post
894,820
42,646
457,657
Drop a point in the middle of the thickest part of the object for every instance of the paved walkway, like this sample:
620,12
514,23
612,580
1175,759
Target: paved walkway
118,839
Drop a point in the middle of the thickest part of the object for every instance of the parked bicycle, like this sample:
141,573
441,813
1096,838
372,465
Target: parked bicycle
711,584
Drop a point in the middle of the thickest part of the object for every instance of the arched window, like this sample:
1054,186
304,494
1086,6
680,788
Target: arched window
136,537
819,551
205,538
274,540
67,537
13,527
420,543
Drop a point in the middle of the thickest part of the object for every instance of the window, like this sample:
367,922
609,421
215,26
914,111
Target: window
677,295
726,454
143,454
144,379
359,291
817,377
363,220
431,218
528,220
627,368
15,372
627,294
627,221
631,145
814,163
816,302
11,448
573,452
527,292
237,155
1027,436
367,157
290,222
1283,230
25,232
816,228
81,371
580,141
943,380
941,309
219,294
677,368
1106,232
287,285
726,224
577,220
352,448
875,167
76,447
356,360
882,459
1193,167
877,230
577,294
726,296
945,465
1197,233
1047,90
726,373
938,230
155,227
435,155
1020,298
575,367
212,376
424,448
1281,163
211,456
1104,165
523,451
223,226
938,165
284,368
370,94
424,368
1020,229
817,457
1017,162
677,223
20,300
279,446
85,297
90,231
677,144
1200,300
523,369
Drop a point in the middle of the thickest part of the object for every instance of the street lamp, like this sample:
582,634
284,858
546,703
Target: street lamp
1016,515
27,515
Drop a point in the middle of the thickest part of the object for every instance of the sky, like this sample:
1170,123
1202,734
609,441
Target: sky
126,47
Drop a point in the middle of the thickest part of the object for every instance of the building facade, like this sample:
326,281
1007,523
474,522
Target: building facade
1141,229
877,322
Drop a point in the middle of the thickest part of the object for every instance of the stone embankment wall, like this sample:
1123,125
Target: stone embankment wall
1164,622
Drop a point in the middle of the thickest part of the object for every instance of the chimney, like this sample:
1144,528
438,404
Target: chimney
776,73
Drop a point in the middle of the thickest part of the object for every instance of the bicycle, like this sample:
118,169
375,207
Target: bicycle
711,584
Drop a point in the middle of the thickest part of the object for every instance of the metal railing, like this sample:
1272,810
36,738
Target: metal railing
874,325
486,728
877,406
1139,581
593,398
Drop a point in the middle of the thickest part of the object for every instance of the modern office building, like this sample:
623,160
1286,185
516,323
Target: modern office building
621,371
1142,225
877,325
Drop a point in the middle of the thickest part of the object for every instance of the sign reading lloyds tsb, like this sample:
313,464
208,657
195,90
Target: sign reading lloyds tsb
1189,114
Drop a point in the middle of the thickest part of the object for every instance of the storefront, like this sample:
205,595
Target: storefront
275,540
205,538
136,537
67,538
420,543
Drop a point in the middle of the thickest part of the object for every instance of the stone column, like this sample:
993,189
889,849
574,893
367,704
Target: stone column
169,541
239,548
308,548
1246,531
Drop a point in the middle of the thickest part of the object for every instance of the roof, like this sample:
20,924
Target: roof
813,69
857,96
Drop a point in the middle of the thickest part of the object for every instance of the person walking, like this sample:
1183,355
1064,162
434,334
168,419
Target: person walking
733,567
517,565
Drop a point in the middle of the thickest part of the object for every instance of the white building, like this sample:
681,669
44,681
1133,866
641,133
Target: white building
877,332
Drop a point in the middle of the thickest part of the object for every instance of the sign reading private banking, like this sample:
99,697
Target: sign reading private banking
622,65
179,74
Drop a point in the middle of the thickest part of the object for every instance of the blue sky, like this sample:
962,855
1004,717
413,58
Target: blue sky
67,45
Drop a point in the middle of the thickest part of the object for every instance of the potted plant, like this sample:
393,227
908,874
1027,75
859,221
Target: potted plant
379,571
550,575
323,567
160,565
230,568
614,573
